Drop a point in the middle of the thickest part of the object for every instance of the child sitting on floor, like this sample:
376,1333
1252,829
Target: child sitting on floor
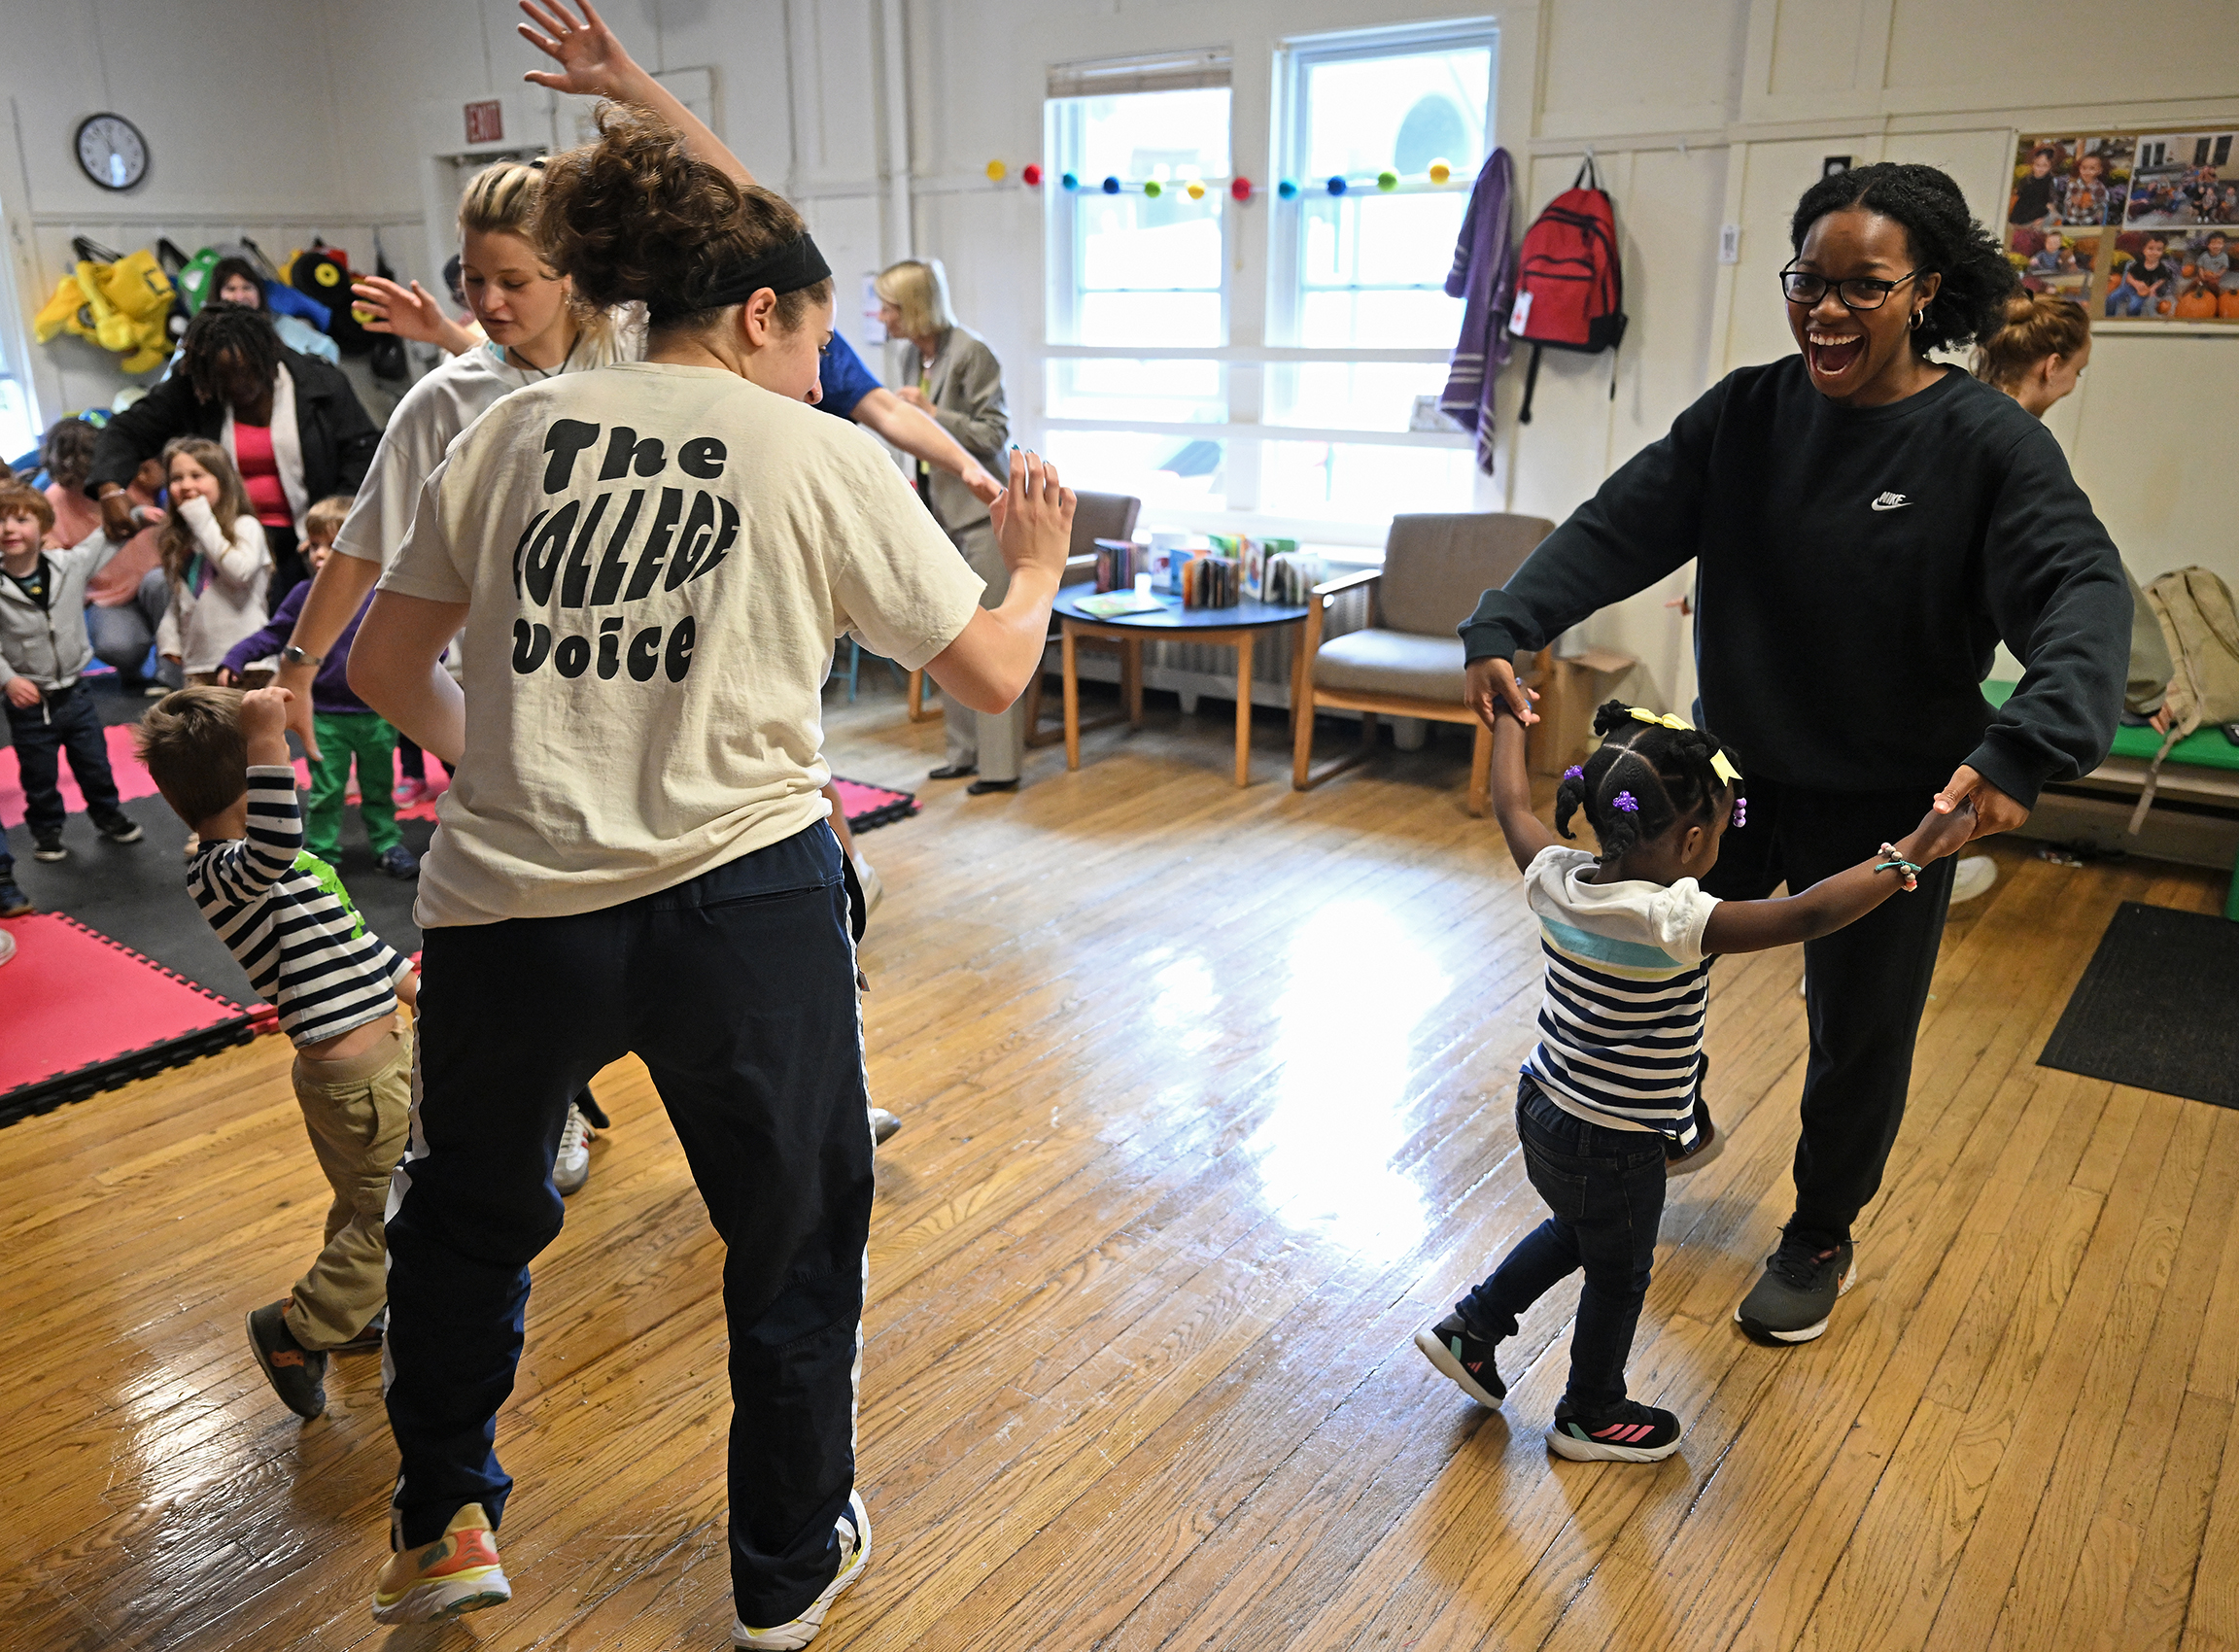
345,726
220,757
1629,936
44,652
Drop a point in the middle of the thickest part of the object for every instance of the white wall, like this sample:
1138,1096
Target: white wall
1712,112
239,103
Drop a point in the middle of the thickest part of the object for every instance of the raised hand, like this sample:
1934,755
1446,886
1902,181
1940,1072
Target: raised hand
1034,517
593,62
407,312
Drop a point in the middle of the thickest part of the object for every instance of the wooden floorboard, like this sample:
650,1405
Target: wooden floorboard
1209,1105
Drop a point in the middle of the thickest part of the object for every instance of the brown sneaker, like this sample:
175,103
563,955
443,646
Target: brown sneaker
298,1376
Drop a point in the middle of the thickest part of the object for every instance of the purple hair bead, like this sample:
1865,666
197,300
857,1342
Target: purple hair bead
1626,802
1740,811
1574,773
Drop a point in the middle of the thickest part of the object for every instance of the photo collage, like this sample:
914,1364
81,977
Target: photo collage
2134,226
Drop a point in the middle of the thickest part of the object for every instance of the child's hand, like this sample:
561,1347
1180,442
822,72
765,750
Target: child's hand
264,714
1939,834
22,693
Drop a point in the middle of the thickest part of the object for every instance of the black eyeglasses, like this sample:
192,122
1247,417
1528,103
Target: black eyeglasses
1859,293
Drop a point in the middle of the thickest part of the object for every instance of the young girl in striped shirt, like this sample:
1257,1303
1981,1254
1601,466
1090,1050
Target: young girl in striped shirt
1611,1093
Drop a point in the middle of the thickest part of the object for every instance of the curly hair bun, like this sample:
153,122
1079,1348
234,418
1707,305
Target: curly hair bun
1970,302
635,218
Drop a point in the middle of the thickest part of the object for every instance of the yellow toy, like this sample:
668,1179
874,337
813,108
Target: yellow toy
119,306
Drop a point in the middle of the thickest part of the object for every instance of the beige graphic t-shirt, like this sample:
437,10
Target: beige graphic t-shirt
657,560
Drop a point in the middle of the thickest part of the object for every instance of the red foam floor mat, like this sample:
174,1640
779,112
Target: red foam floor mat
873,805
80,1014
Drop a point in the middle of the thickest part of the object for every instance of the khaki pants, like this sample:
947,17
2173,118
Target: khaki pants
357,1111
992,741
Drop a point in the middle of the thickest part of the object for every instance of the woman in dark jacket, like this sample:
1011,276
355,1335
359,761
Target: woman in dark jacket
293,426
1867,524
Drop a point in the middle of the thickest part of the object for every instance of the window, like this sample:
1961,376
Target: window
1295,416
1365,270
1137,270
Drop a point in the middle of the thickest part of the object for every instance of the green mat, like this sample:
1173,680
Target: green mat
2205,748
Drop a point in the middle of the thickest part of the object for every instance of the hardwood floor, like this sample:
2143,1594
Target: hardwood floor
1208,1105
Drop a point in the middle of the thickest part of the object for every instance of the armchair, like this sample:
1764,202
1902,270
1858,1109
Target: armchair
1409,663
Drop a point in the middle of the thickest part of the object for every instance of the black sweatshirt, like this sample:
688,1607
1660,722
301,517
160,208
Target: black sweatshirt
1855,568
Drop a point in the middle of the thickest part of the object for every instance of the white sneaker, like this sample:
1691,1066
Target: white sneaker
1973,877
873,892
854,1529
571,1165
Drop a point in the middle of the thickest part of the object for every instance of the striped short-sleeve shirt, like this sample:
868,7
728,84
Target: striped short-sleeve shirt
286,918
1621,1023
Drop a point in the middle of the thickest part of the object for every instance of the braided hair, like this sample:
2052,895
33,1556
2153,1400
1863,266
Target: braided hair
1645,779
221,330
1977,279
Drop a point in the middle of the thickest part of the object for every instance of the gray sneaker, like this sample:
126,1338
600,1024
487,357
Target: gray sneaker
571,1165
1794,1296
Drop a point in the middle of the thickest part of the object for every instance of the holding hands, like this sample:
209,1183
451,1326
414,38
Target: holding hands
1987,808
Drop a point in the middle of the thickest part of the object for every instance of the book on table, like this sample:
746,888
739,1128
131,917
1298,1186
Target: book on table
1114,604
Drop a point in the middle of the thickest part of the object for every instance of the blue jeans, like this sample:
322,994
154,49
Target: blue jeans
2123,301
737,988
1607,1191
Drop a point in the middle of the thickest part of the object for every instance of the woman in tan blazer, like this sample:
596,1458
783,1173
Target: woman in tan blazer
949,371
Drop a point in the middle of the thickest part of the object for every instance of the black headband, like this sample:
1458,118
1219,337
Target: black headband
783,269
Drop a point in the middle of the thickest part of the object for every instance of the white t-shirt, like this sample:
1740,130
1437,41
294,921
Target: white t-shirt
657,560
448,398
1621,1023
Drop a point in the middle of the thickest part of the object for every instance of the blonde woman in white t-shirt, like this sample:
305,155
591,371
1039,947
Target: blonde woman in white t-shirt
652,561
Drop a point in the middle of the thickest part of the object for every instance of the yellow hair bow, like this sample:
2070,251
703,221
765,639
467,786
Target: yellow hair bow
1720,766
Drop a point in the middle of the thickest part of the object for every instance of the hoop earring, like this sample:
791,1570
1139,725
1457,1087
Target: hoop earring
1916,315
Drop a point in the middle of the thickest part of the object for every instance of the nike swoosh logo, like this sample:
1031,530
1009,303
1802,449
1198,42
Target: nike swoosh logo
1891,501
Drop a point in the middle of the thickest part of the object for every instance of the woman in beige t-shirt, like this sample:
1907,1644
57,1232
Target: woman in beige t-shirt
651,561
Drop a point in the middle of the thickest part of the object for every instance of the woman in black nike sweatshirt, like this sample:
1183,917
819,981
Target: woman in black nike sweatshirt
1867,524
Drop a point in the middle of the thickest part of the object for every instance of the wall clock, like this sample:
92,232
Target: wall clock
111,151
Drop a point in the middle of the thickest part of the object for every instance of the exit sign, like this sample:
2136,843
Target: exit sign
486,121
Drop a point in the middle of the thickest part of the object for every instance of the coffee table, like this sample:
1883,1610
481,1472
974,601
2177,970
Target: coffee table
1170,622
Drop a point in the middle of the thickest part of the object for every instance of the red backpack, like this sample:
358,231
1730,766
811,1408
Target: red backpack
1570,293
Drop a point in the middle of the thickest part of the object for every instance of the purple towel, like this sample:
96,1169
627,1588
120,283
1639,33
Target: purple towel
1485,274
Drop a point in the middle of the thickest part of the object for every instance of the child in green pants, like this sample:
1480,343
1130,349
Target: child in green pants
346,729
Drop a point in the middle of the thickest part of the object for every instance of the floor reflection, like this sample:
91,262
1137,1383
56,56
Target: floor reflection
1359,982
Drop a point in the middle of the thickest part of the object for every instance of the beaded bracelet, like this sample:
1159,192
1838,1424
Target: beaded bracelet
1907,870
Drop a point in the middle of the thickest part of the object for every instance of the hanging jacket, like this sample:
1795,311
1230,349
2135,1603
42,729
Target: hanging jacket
334,439
48,645
1484,275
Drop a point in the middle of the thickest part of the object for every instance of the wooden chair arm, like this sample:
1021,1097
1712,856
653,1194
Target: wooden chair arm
1344,582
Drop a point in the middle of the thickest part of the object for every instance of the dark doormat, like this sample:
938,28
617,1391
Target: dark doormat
2158,1008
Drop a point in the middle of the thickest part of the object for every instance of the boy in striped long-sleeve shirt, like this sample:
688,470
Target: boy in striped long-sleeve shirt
220,757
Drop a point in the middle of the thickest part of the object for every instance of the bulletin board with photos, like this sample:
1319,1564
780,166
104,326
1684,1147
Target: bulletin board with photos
2132,226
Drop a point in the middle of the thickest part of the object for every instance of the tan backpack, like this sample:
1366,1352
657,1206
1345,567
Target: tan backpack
2202,631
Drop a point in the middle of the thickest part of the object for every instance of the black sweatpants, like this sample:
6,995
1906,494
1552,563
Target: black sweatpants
738,989
1867,983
